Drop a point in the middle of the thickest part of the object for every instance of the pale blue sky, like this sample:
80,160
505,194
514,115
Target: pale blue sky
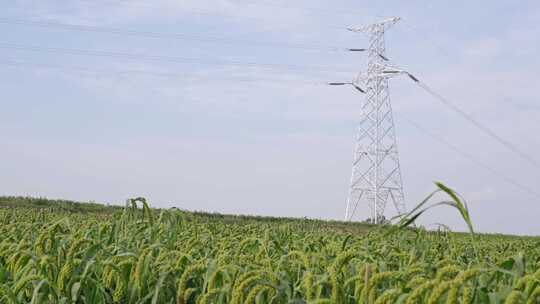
258,140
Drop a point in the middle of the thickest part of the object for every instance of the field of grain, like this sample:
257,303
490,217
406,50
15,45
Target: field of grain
68,253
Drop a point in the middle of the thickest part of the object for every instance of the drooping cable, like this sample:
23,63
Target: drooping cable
131,72
488,131
167,59
470,157
156,35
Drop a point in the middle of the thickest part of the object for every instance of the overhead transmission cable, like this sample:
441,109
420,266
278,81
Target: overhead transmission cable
169,59
258,3
309,9
470,157
485,129
468,117
429,41
214,13
283,6
488,131
123,72
156,35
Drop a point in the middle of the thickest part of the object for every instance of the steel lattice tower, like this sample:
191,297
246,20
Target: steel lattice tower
376,174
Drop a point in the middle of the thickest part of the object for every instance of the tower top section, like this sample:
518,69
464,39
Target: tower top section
376,27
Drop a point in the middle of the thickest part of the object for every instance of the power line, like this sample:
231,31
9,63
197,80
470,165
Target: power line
479,125
213,13
310,10
486,130
156,35
123,72
471,158
429,41
167,59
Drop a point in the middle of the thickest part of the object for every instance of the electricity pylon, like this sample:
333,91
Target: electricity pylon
376,173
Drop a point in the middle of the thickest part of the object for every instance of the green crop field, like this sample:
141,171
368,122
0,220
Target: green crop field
63,252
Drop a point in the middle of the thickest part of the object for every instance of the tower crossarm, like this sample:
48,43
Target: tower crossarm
383,25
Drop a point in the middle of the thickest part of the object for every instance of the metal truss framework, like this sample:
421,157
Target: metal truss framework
376,173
